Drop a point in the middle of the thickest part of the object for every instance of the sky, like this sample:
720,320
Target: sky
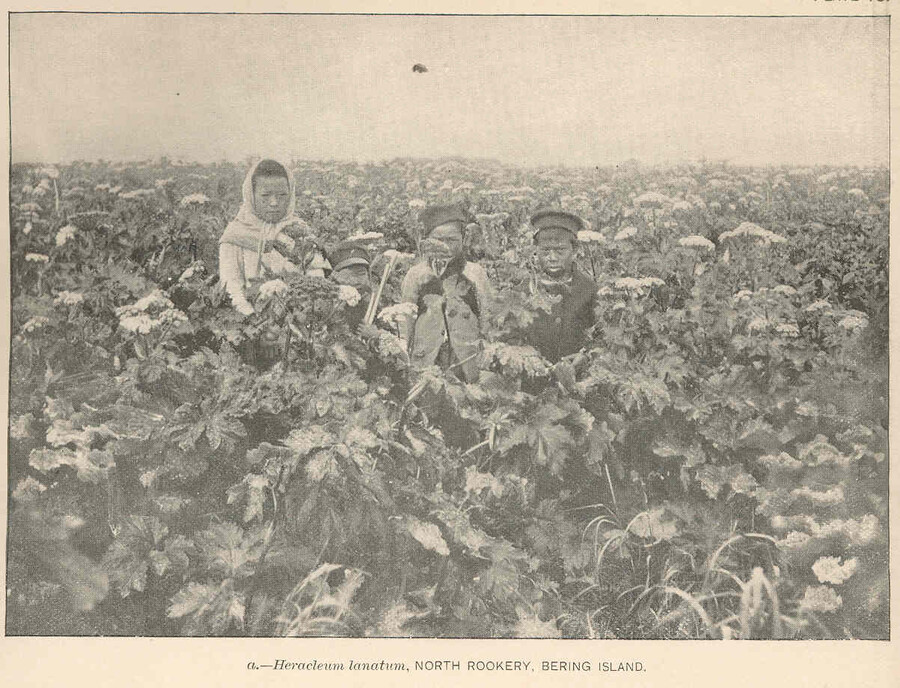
522,90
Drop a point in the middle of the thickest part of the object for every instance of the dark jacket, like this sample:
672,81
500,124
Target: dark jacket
564,330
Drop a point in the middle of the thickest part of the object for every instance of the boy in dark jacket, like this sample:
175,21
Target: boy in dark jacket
564,330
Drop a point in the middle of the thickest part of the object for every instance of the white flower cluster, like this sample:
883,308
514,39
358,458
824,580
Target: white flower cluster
139,324
826,498
64,234
138,193
860,532
749,230
821,452
69,298
781,290
759,323
135,318
35,323
788,330
625,233
194,199
820,305
155,299
490,218
633,285
794,539
417,203
652,199
589,236
782,461
391,345
36,258
162,183
349,295
785,290
27,490
519,359
392,315
854,322
274,287
696,241
368,236
820,598
831,570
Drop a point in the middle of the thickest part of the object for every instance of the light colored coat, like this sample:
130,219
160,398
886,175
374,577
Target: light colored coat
246,248
446,317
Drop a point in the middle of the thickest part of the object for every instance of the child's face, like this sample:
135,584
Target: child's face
451,234
555,253
271,196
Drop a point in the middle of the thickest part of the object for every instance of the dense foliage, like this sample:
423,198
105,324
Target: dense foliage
713,465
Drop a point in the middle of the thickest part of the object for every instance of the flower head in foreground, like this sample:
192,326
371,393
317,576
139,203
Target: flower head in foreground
820,598
348,295
854,322
35,323
139,324
64,234
391,315
831,570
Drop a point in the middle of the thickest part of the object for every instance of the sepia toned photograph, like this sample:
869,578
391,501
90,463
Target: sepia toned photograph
462,327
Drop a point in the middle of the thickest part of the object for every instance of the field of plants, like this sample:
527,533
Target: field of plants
713,465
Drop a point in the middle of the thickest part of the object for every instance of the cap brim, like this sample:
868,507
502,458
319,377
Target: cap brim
350,261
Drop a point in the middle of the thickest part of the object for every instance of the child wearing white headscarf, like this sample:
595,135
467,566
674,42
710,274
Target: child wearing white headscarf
249,246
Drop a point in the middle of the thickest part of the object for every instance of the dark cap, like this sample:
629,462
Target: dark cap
437,215
556,219
348,253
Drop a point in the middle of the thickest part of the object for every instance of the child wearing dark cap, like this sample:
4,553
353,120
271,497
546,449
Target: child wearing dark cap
350,263
451,294
564,330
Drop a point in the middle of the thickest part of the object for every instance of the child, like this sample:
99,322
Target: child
350,266
451,294
564,330
251,246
